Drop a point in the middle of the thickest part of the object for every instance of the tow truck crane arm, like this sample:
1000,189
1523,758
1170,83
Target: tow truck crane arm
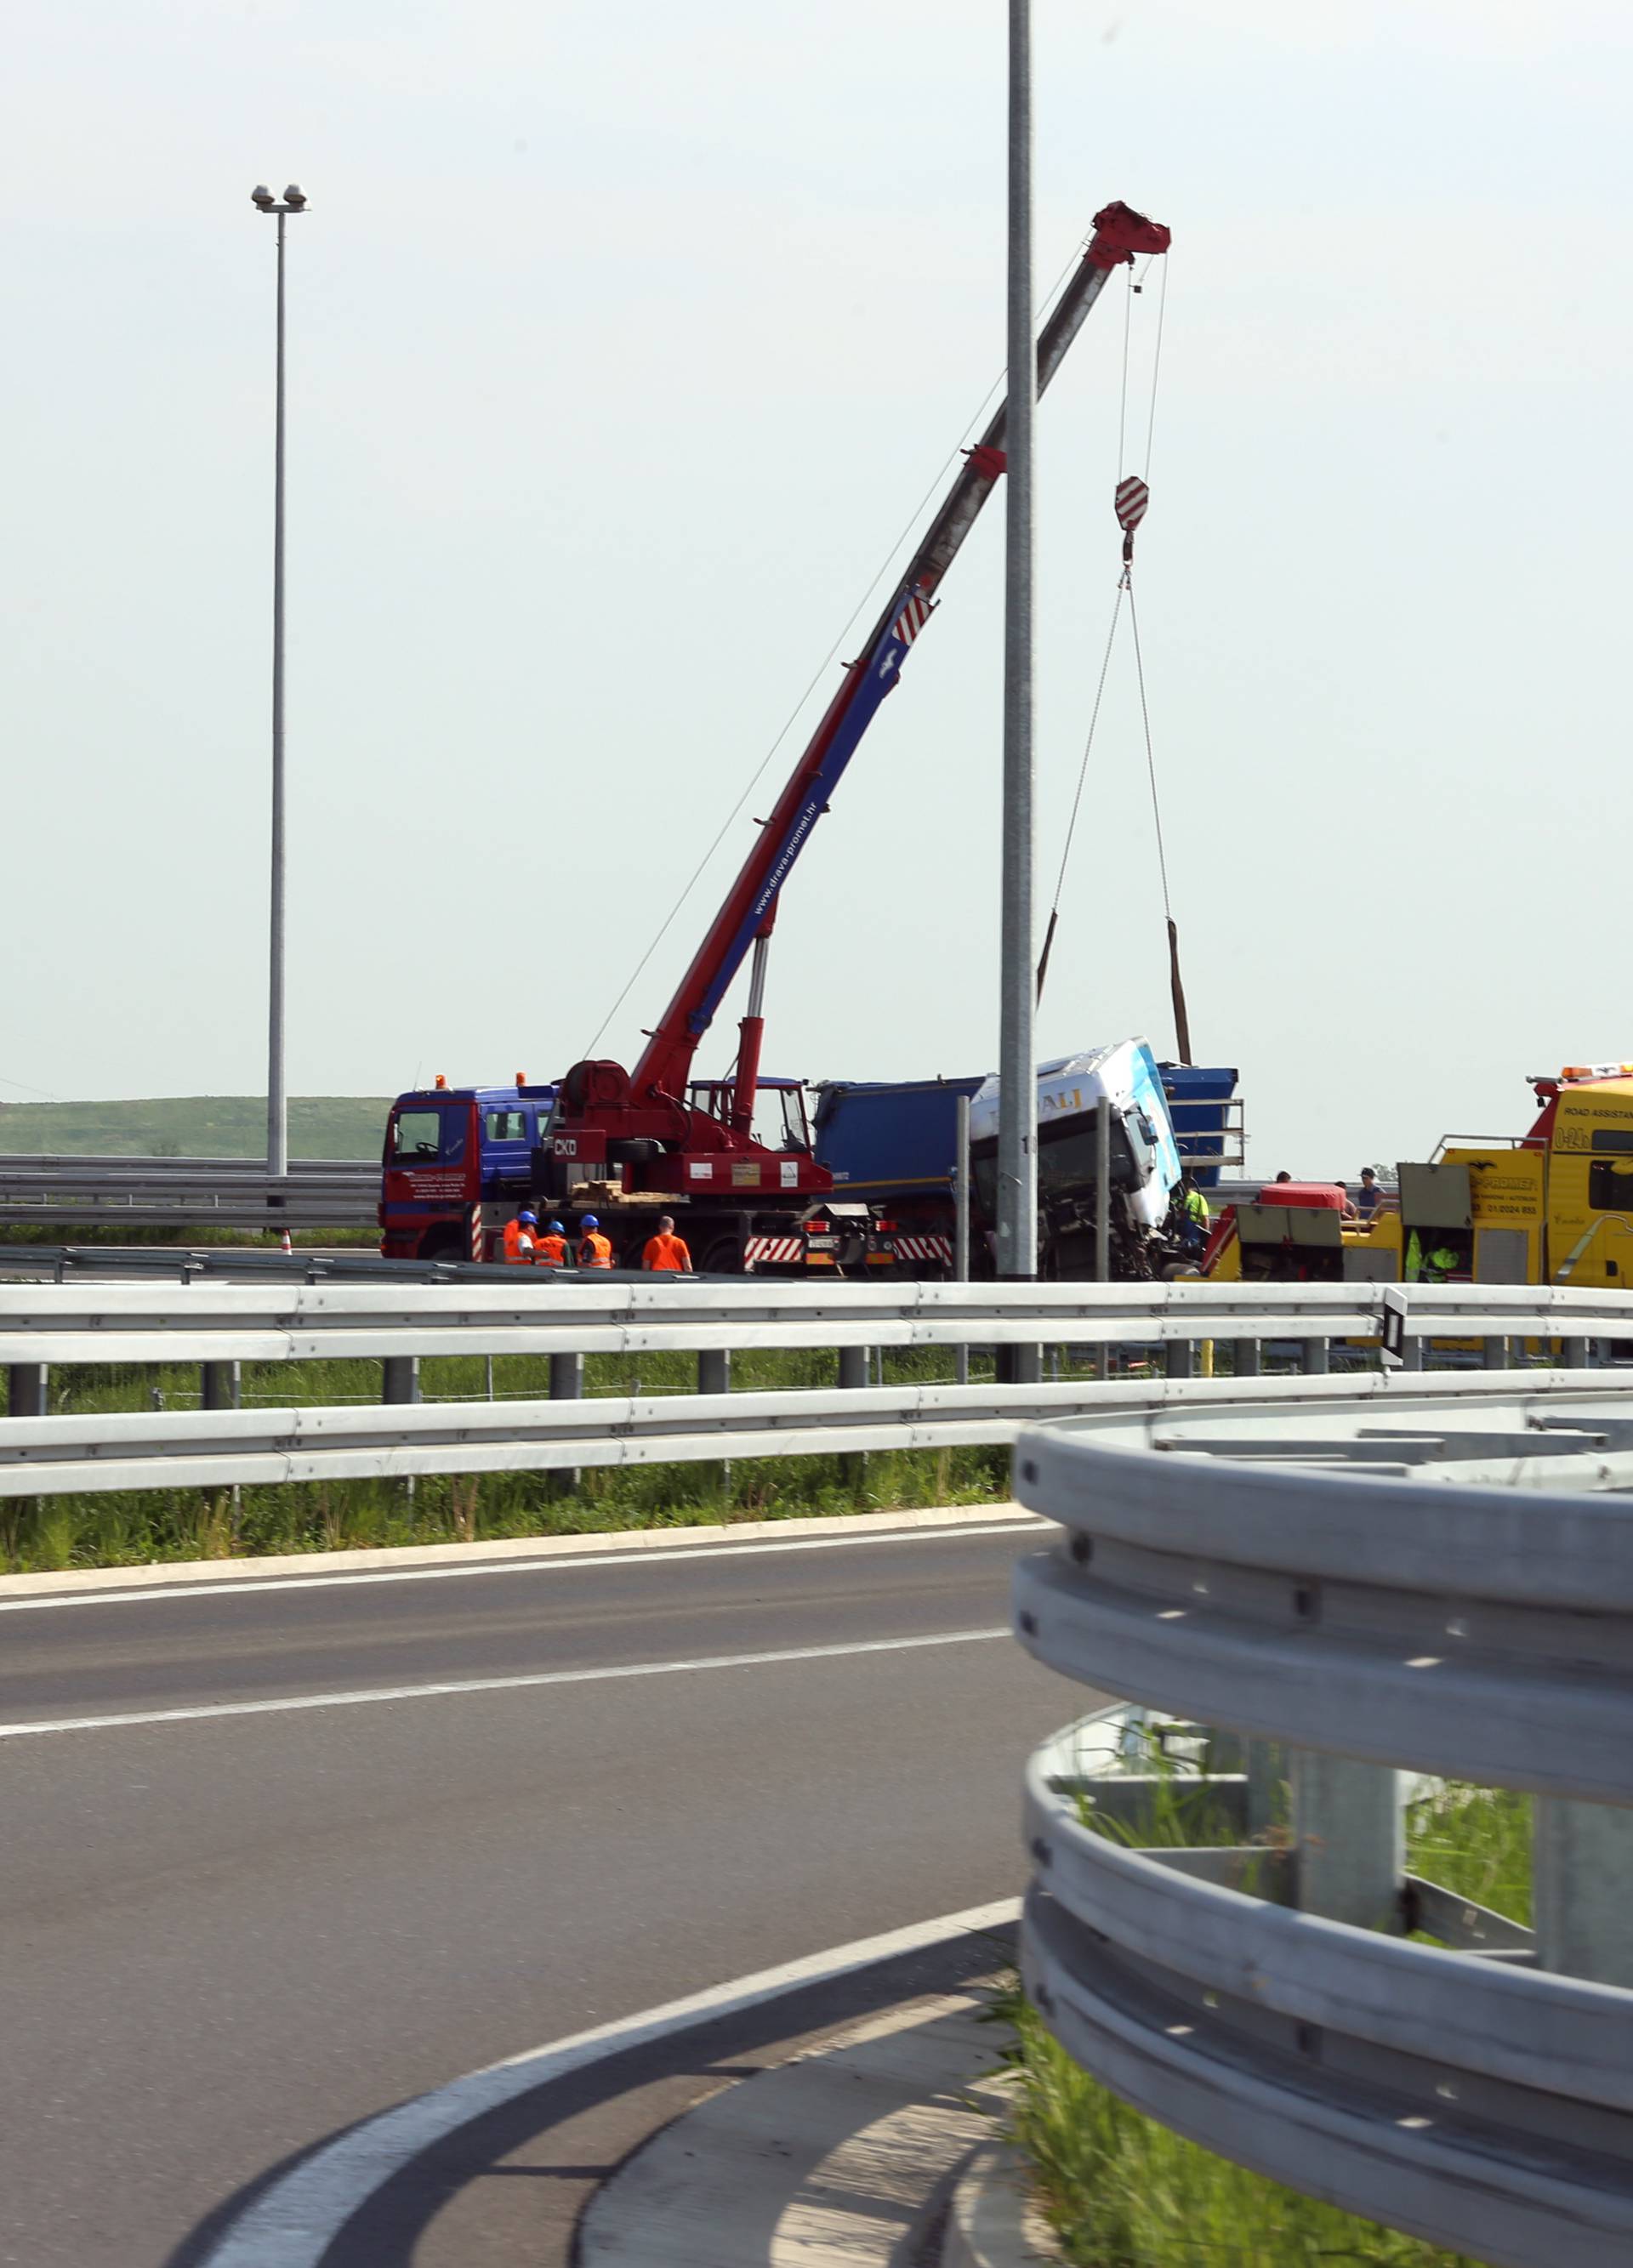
649,1101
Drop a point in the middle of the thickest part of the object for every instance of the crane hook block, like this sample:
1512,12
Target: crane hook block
1133,497
987,460
1119,232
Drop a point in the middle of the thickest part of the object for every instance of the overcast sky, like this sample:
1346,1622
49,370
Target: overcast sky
623,343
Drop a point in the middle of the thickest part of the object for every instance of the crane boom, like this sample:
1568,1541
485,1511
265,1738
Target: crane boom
649,1101
666,1063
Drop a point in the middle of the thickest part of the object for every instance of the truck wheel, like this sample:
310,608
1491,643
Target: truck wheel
723,1257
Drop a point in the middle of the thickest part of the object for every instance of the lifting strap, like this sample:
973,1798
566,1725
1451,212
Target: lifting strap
1131,497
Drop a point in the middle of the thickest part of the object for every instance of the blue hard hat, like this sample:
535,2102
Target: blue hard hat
554,1228
590,1221
530,1217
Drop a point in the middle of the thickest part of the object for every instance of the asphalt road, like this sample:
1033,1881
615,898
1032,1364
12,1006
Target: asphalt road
226,1936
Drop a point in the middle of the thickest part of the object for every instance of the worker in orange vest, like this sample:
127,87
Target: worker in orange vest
519,1239
667,1253
594,1249
550,1249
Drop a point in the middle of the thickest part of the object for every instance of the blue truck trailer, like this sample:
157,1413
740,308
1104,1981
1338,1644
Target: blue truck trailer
892,1148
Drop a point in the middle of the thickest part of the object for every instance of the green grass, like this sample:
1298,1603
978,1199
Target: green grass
1121,2191
1475,1842
193,1126
147,1526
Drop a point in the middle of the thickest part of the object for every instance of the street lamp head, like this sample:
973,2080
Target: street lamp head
262,197
295,197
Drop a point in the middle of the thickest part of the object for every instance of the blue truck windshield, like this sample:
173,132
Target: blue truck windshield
428,1138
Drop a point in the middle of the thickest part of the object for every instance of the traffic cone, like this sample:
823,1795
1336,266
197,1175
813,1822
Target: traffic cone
288,1246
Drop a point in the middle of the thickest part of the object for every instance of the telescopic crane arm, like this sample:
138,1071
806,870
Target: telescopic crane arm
745,917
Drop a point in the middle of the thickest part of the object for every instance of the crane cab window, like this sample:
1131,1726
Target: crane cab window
796,1127
508,1126
428,1138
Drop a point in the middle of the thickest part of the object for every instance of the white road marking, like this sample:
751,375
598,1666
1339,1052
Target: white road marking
24,1731
701,1556
292,2223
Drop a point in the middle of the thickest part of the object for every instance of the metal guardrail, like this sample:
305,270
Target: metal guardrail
216,1448
237,1192
422,1310
1440,1582
164,1192
72,1163
172,1264
493,1312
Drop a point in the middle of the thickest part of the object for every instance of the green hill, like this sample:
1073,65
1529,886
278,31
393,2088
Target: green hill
193,1126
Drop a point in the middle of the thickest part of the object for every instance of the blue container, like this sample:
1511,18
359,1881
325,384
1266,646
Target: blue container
1199,1103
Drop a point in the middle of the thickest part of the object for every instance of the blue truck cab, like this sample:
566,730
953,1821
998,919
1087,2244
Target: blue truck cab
458,1162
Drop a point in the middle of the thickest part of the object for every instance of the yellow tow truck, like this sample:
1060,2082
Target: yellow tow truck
1553,1205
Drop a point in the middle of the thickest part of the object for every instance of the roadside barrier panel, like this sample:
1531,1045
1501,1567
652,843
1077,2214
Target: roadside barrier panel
1356,1590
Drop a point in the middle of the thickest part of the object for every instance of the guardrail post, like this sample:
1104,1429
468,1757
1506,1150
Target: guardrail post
714,1377
221,1385
26,1389
1494,1354
400,1380
1315,1358
567,1384
1247,1358
852,1376
1267,1765
1179,1358
1574,1353
1411,1352
1350,1836
1582,1872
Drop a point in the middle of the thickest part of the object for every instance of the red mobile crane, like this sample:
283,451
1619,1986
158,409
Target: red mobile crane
655,1131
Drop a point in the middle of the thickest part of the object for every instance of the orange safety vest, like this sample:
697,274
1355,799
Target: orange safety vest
550,1251
518,1244
596,1250
664,1251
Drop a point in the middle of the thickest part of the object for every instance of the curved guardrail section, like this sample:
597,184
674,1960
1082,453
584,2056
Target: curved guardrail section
1451,1591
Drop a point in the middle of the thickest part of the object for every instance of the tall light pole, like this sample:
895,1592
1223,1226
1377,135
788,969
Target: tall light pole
1017,1107
292,201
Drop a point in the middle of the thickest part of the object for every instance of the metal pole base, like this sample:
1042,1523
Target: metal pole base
27,1386
1019,1366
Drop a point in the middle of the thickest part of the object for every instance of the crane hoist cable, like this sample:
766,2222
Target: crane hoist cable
1131,497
